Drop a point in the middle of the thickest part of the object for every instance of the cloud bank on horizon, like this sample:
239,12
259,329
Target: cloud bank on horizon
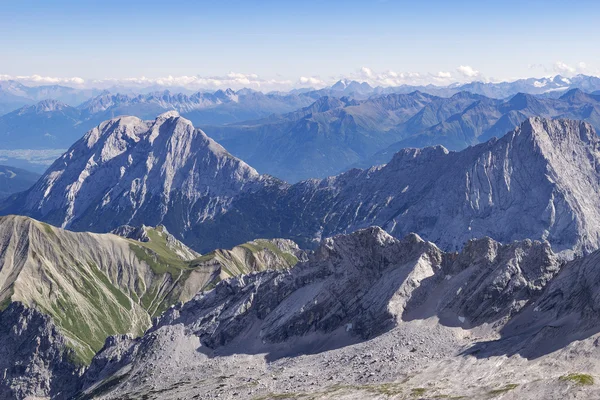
236,80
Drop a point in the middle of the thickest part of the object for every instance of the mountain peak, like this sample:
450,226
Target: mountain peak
168,115
44,106
569,132
577,95
139,172
348,85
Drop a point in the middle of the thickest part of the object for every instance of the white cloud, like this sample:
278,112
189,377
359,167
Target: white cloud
444,75
563,68
43,80
467,71
311,81
367,72
388,78
233,80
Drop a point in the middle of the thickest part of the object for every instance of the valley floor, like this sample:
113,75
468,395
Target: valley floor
420,359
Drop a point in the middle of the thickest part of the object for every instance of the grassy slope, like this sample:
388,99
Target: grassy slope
94,286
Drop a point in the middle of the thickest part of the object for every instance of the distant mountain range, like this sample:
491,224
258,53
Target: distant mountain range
535,182
14,95
305,134
53,124
334,134
13,180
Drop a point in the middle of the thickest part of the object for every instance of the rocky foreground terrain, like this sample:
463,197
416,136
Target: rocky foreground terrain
370,316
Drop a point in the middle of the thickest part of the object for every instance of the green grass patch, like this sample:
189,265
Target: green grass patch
504,389
261,244
416,392
578,379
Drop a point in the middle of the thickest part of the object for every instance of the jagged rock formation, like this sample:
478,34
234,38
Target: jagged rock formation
14,180
354,287
34,358
366,282
566,312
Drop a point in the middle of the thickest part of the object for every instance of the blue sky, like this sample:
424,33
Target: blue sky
281,41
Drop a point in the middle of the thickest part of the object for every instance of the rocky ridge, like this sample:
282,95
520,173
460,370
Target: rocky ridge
532,183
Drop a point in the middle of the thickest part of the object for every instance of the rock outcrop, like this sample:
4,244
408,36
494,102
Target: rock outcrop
35,360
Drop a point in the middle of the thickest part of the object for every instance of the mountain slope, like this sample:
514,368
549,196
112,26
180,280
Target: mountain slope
14,180
92,286
48,124
132,172
321,139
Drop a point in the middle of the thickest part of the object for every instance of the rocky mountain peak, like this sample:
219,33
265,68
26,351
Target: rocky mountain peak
44,106
130,166
562,133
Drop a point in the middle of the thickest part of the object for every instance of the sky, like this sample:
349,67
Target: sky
288,43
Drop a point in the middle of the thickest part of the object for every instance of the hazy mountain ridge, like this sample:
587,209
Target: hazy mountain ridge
14,95
334,134
14,180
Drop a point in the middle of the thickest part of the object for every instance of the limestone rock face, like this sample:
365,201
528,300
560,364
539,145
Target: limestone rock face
132,172
366,283
34,358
